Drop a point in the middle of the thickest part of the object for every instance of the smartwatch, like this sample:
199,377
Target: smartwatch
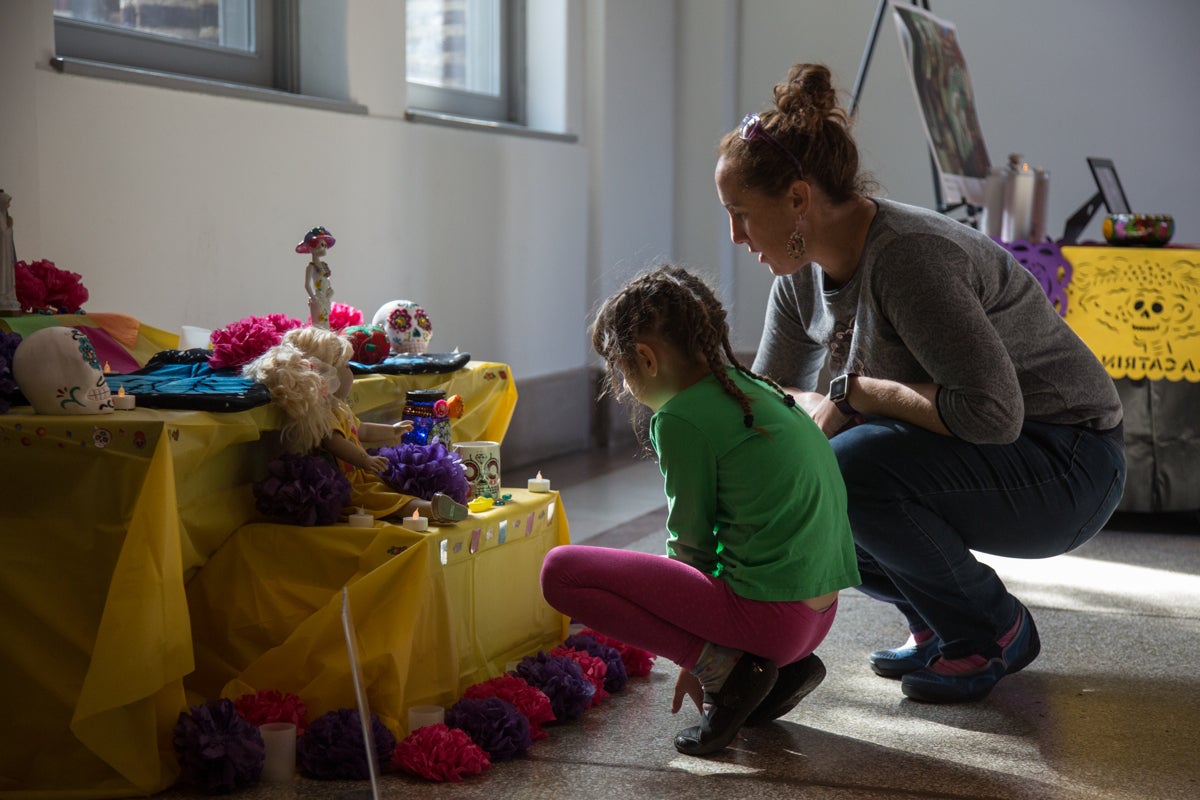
839,389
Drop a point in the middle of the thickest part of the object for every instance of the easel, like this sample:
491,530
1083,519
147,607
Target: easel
865,64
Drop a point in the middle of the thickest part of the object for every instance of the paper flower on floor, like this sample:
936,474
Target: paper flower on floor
562,680
41,286
342,316
239,343
332,748
8,346
494,724
268,705
593,668
638,662
302,489
615,677
529,700
218,750
441,754
422,470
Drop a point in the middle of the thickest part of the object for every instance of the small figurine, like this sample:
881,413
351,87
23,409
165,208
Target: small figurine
8,258
316,275
309,378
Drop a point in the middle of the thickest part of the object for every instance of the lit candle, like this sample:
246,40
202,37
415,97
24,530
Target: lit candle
539,484
125,402
361,519
416,522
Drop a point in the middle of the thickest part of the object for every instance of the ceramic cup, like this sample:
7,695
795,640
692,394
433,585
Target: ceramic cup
420,716
279,740
481,462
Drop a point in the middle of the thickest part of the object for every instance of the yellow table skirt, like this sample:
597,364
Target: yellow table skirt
435,612
105,518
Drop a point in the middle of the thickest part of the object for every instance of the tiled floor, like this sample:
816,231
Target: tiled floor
1111,709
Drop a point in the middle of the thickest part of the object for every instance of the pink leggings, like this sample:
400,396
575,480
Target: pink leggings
671,609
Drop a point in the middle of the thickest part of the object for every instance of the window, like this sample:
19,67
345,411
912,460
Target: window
466,57
225,40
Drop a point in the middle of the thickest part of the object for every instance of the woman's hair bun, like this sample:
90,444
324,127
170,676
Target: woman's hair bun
807,90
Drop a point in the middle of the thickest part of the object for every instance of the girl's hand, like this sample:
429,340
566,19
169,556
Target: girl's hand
400,428
689,685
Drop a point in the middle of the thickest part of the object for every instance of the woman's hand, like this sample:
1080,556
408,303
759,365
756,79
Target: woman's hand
689,685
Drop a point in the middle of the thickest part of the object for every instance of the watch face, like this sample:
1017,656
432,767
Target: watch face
837,388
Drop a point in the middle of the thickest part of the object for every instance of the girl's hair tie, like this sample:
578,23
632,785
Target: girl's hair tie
788,400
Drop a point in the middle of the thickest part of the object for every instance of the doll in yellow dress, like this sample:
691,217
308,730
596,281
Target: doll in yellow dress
308,376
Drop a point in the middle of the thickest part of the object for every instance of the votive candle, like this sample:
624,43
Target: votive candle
539,484
416,522
122,401
361,520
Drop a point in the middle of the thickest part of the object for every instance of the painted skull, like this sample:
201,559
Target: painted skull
406,324
59,373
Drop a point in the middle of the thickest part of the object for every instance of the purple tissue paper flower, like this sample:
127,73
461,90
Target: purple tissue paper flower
616,676
332,747
562,680
302,489
423,470
8,346
492,723
218,750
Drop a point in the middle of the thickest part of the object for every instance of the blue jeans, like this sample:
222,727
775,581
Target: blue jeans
920,502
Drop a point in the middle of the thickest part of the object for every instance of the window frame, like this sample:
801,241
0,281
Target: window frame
509,107
271,65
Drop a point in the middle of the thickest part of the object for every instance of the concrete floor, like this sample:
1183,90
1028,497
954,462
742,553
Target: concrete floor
1110,710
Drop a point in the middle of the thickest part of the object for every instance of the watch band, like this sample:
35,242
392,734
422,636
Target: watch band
839,391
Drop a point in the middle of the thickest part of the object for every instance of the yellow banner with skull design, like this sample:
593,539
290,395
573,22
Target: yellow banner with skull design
1138,309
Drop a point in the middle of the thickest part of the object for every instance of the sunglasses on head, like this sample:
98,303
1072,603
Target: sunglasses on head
752,128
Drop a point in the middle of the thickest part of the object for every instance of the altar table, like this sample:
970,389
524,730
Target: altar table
103,519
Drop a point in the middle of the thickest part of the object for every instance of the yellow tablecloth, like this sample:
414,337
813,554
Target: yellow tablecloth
103,519
1138,309
435,612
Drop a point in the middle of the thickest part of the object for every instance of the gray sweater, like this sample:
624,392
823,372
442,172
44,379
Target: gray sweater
935,301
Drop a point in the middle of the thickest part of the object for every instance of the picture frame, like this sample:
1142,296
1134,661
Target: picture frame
1109,185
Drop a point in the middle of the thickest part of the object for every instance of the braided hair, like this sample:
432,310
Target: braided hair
682,310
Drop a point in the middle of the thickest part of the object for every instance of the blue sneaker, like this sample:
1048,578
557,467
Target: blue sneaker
899,661
928,686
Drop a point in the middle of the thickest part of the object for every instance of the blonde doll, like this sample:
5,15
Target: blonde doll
309,378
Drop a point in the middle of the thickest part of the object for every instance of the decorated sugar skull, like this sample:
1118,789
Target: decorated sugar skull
406,324
59,373
369,341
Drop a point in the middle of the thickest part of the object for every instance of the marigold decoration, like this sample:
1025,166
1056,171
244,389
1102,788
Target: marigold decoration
593,668
439,753
494,724
268,705
332,748
529,700
422,470
638,662
342,316
302,490
562,680
8,347
218,750
615,677
239,343
41,286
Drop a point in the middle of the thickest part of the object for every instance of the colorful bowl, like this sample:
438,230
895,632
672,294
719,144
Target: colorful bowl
1139,230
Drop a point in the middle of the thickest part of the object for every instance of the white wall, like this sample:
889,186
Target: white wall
182,208
1055,80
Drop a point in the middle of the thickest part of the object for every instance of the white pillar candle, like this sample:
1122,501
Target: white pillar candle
420,716
279,742
539,484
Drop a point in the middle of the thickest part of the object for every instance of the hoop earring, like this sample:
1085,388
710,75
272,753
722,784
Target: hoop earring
795,243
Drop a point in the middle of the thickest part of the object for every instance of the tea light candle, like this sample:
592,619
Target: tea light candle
361,519
539,484
125,402
416,522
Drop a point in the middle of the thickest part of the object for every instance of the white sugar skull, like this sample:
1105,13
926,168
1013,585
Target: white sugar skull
406,324
58,372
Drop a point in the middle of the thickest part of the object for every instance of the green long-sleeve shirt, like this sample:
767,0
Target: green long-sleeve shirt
762,508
